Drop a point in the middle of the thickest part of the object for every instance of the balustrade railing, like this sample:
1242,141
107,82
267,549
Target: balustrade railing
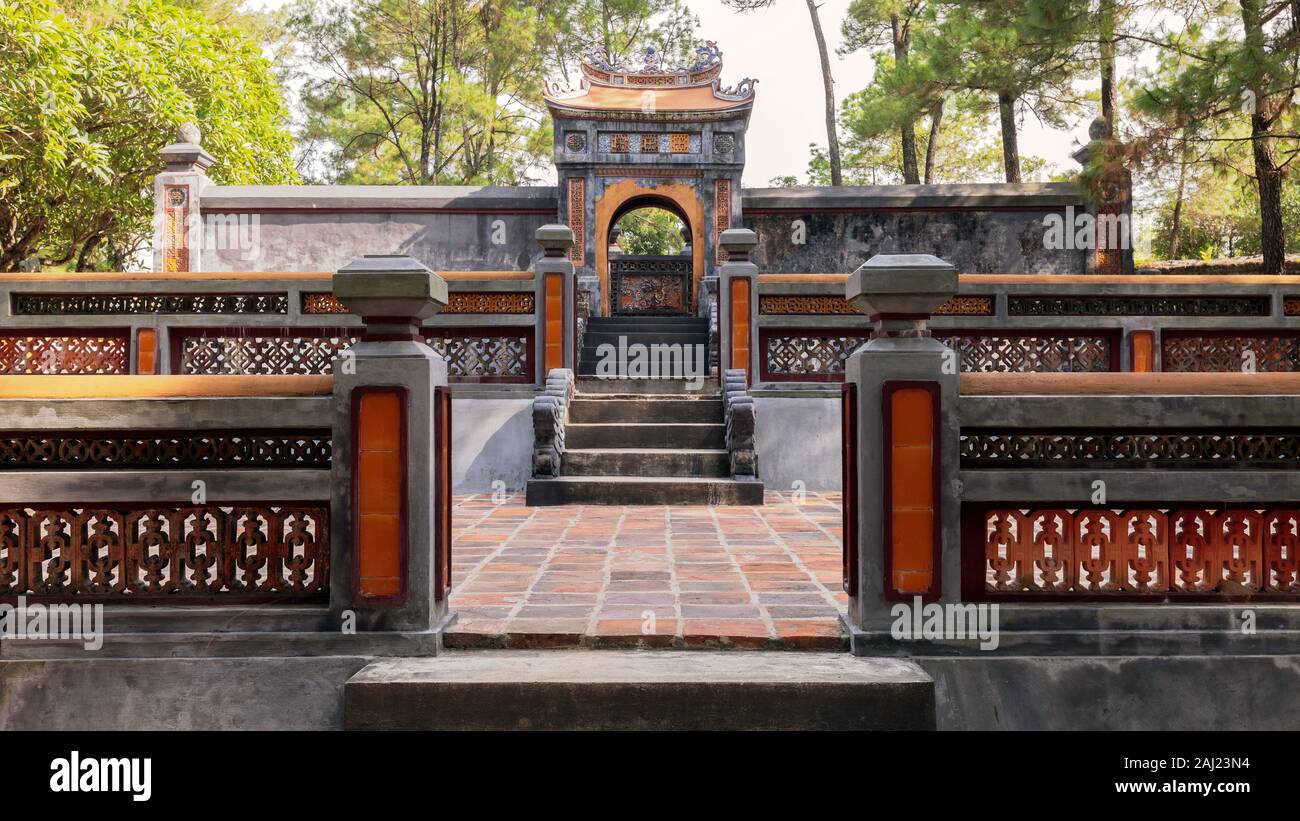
806,329
248,324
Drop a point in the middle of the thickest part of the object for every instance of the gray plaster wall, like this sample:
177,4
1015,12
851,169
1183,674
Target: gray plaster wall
975,241
1112,693
322,228
799,440
980,228
492,439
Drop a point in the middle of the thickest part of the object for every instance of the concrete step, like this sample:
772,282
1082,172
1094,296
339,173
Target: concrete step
623,369
645,435
645,409
593,338
655,319
646,462
591,385
642,490
628,329
639,690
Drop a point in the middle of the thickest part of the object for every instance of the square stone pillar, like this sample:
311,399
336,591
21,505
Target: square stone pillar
390,558
738,305
901,495
178,223
556,288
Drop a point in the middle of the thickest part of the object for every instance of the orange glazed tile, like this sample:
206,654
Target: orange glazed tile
380,421
379,482
1144,351
381,545
912,479
554,321
146,351
912,417
913,548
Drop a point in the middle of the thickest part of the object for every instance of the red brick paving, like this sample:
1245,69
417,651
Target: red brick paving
763,577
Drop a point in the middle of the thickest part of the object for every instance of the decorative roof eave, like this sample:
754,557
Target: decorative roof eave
652,103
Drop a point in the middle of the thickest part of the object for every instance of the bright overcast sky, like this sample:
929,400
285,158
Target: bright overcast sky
776,47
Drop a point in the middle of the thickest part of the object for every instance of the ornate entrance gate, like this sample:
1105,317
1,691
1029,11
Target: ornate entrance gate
650,285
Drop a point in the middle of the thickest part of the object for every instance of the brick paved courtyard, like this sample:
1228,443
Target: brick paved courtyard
651,576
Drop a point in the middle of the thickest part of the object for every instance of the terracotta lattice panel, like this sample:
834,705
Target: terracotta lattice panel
1141,551
147,553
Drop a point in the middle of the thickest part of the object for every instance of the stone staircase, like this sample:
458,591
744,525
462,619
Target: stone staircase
644,441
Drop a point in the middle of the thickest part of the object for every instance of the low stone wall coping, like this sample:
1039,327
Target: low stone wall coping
1023,196
104,386
1117,384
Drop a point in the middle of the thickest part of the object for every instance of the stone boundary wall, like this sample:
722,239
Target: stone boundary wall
989,228
322,228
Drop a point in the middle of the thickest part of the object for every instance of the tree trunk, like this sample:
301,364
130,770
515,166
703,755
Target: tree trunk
1268,177
1109,92
1176,224
1010,146
828,83
908,129
932,144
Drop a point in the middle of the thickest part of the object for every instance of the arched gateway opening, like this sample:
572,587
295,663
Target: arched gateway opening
649,248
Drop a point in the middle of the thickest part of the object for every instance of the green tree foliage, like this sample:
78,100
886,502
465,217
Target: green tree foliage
449,92
650,232
1229,81
86,104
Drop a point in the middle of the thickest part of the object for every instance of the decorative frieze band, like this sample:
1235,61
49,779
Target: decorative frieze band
1106,449
90,304
1139,306
807,304
37,451
458,302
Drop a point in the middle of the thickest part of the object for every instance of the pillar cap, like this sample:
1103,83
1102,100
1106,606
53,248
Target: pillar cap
907,285
738,242
383,285
555,239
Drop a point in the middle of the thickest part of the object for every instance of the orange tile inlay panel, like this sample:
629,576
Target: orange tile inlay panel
146,351
380,487
911,483
554,321
740,325
1144,346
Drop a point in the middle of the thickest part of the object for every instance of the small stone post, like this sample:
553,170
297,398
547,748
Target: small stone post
901,447
556,314
738,304
178,225
1108,186
390,558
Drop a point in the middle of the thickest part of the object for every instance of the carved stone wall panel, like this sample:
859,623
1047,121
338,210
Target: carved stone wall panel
721,216
966,306
151,554
578,220
805,305
176,220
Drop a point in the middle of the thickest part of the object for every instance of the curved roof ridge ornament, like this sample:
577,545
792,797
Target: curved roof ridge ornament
740,91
